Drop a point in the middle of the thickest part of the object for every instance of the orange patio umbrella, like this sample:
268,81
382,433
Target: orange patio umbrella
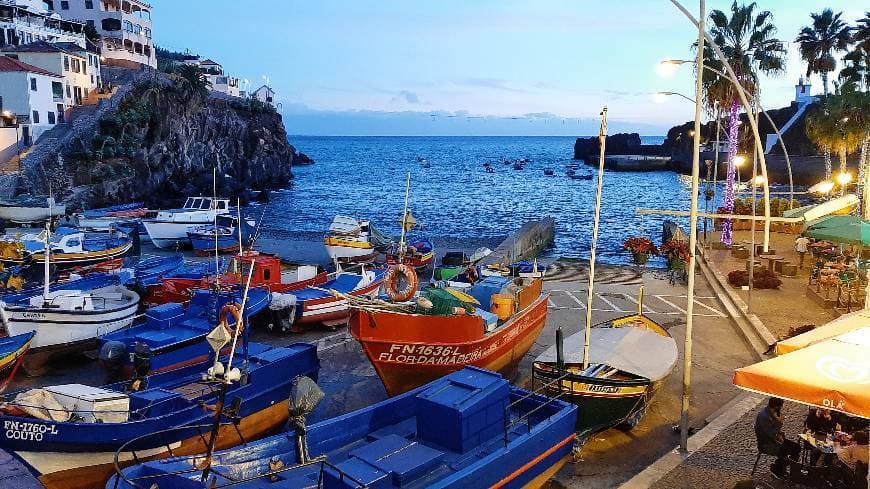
833,374
841,325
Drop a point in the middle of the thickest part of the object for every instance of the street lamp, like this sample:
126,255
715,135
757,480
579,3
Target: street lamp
660,97
843,178
739,161
759,180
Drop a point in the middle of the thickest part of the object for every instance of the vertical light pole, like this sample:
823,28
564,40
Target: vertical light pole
693,236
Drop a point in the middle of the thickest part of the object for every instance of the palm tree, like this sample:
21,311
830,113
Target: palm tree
820,42
747,39
192,80
840,125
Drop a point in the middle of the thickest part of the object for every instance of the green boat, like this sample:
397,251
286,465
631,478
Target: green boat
629,358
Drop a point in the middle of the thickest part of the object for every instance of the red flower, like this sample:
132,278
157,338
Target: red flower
640,244
676,249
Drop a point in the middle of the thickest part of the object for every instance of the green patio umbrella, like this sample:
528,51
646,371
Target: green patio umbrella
841,229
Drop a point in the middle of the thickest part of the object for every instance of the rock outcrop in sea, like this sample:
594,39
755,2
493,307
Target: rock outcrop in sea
160,141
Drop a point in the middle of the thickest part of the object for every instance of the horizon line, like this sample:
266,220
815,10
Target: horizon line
467,135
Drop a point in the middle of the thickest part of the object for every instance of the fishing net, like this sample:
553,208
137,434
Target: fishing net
443,303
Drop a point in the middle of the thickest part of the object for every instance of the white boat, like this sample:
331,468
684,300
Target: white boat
30,210
349,240
66,320
169,228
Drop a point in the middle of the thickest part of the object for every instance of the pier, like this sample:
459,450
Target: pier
525,244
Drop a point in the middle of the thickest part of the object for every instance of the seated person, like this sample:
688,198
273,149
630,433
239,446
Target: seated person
820,423
769,435
857,452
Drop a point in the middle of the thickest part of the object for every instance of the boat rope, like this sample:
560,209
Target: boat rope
368,304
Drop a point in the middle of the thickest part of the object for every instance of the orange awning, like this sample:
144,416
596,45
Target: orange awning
833,374
841,325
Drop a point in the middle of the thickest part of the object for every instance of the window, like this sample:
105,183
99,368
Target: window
66,63
90,23
57,89
64,5
48,4
266,274
84,68
147,32
128,26
111,24
89,4
221,205
51,117
33,84
36,117
137,29
76,66
68,92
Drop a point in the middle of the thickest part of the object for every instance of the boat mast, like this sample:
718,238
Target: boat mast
217,279
404,220
46,261
602,139
239,225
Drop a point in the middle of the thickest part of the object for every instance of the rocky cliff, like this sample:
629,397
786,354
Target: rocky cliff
616,144
161,142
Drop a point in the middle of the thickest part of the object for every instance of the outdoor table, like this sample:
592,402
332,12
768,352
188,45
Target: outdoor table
821,445
771,259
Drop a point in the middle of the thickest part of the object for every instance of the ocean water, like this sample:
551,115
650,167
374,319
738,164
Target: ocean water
456,199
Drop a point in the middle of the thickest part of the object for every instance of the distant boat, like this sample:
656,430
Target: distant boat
103,218
420,254
30,209
518,166
573,176
169,228
629,358
549,172
470,429
420,159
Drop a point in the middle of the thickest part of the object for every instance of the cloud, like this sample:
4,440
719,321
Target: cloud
407,97
492,83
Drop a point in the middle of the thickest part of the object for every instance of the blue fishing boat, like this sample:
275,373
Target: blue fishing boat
89,282
69,247
149,270
12,350
202,238
470,429
104,211
68,435
172,336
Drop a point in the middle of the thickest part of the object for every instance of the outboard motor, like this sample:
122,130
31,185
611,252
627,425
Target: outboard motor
111,358
305,395
141,365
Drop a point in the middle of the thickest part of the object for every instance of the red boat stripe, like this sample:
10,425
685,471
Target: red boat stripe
532,463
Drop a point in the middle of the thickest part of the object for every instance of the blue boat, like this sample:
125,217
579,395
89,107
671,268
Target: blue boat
70,433
12,350
103,211
470,429
202,238
173,336
149,270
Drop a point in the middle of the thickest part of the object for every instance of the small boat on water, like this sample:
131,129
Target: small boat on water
491,324
172,336
68,435
70,247
549,172
518,166
30,209
350,240
12,350
629,358
169,228
224,237
574,176
466,430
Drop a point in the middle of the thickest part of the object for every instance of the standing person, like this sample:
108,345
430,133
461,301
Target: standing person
800,245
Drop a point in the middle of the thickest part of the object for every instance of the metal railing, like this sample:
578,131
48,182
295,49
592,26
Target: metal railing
532,395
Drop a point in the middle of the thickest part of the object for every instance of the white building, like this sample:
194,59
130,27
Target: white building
26,21
28,95
264,94
125,27
74,64
214,72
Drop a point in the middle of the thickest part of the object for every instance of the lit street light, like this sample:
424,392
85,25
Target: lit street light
843,178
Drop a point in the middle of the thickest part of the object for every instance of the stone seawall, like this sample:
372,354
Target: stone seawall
526,243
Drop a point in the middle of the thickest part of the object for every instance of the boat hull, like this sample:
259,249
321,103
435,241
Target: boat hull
408,351
166,234
418,262
63,470
13,354
350,251
30,214
68,260
328,310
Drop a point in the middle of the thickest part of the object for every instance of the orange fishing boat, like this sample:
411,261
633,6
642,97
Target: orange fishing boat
492,325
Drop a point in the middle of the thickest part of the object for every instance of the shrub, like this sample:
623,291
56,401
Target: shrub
761,279
640,244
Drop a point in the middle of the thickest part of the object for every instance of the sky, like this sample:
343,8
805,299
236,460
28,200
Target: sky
459,67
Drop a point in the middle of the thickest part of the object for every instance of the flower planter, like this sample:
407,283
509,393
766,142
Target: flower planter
676,264
639,258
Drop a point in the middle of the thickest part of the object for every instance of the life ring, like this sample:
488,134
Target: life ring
391,282
235,311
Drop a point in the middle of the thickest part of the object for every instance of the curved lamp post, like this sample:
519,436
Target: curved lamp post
744,100
676,62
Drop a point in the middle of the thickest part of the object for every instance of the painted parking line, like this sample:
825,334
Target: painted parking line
610,304
714,310
660,313
578,301
631,298
661,298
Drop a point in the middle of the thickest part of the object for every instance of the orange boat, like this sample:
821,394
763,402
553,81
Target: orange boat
492,327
